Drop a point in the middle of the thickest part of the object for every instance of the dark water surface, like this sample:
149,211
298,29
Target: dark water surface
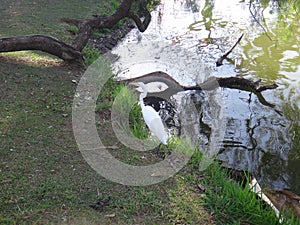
184,40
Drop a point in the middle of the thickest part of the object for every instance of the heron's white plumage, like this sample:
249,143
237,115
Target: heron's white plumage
154,123
151,117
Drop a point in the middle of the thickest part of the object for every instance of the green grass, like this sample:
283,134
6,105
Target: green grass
136,122
90,54
126,102
139,128
44,178
43,17
232,204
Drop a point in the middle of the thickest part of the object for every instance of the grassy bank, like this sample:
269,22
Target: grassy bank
44,178
43,17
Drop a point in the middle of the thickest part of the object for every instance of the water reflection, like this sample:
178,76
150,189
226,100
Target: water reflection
278,58
192,35
256,140
291,109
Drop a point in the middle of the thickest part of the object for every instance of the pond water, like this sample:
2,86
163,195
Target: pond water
184,40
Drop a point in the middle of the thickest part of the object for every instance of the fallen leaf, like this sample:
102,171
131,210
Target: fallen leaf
156,174
201,187
110,215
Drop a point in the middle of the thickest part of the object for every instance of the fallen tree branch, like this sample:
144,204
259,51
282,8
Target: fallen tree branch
40,42
239,83
212,83
142,25
220,60
233,82
86,27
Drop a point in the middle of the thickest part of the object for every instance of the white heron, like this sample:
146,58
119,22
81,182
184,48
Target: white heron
151,116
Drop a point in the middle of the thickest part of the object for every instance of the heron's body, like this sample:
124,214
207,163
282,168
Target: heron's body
154,123
151,117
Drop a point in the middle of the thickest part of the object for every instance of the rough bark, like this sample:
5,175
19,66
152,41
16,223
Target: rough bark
86,27
43,43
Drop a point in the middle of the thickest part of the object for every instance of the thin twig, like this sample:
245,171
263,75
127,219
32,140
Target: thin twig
258,21
220,60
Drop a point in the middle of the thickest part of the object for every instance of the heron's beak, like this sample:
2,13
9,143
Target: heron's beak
134,85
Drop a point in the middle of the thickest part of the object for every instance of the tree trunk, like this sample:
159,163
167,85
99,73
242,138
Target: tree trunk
86,27
42,43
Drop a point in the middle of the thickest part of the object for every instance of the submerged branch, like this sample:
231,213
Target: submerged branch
239,83
220,60
233,82
212,83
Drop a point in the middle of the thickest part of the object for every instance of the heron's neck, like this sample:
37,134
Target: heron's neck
142,96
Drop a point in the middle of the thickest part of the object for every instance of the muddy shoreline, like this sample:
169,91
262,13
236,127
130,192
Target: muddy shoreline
110,39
